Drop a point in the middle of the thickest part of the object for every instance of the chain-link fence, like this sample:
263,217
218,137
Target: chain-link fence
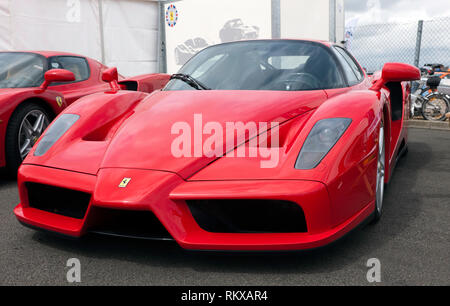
415,43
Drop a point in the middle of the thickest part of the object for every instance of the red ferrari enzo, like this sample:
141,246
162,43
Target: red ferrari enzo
183,163
37,86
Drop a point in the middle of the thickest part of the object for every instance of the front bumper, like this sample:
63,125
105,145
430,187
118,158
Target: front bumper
165,195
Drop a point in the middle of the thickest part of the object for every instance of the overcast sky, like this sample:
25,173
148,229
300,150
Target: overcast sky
382,11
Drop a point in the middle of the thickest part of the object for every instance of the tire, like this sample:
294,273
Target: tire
405,151
429,104
23,131
381,167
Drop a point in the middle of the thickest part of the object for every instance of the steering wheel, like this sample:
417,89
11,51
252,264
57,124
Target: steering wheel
308,79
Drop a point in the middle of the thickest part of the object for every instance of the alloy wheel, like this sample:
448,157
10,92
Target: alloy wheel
31,128
380,170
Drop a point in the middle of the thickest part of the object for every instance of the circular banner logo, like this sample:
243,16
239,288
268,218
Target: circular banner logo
171,16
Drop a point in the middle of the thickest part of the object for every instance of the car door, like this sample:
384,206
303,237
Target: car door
87,77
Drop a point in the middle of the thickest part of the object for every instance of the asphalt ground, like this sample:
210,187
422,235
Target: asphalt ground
411,242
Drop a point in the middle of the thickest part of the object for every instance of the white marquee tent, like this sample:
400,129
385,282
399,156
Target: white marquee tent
122,33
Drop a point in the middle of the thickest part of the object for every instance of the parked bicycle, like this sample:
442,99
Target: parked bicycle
427,102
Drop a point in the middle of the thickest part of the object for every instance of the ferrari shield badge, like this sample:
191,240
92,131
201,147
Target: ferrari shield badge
171,15
59,101
124,182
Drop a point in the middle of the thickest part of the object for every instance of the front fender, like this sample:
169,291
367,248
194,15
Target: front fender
348,170
352,164
9,102
100,116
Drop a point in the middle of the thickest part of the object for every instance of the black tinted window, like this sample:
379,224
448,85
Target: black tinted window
263,65
77,65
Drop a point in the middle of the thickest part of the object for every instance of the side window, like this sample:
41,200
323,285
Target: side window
77,65
348,71
359,74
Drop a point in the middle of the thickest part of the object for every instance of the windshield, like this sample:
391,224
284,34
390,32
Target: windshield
262,65
18,70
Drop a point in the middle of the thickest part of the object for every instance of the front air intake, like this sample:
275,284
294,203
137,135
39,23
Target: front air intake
61,201
127,223
248,216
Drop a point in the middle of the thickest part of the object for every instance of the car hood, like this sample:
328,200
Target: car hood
145,139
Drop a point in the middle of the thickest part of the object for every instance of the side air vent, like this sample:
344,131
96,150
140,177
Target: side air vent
129,85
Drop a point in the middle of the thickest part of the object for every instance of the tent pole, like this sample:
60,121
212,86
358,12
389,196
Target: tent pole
162,59
276,19
332,21
102,33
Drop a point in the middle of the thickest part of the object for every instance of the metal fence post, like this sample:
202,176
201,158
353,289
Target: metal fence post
418,43
276,19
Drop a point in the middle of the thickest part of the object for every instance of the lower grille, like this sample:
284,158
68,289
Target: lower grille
248,216
61,201
127,223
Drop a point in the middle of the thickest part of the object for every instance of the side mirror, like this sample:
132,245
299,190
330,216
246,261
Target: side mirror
57,75
111,76
398,72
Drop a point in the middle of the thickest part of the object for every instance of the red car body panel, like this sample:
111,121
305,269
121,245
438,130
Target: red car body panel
10,99
127,135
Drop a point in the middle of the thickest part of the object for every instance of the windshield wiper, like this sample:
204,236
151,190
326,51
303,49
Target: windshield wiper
190,81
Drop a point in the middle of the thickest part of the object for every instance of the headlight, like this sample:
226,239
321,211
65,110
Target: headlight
323,136
56,130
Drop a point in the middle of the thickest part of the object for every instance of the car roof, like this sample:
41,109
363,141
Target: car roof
46,53
322,42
